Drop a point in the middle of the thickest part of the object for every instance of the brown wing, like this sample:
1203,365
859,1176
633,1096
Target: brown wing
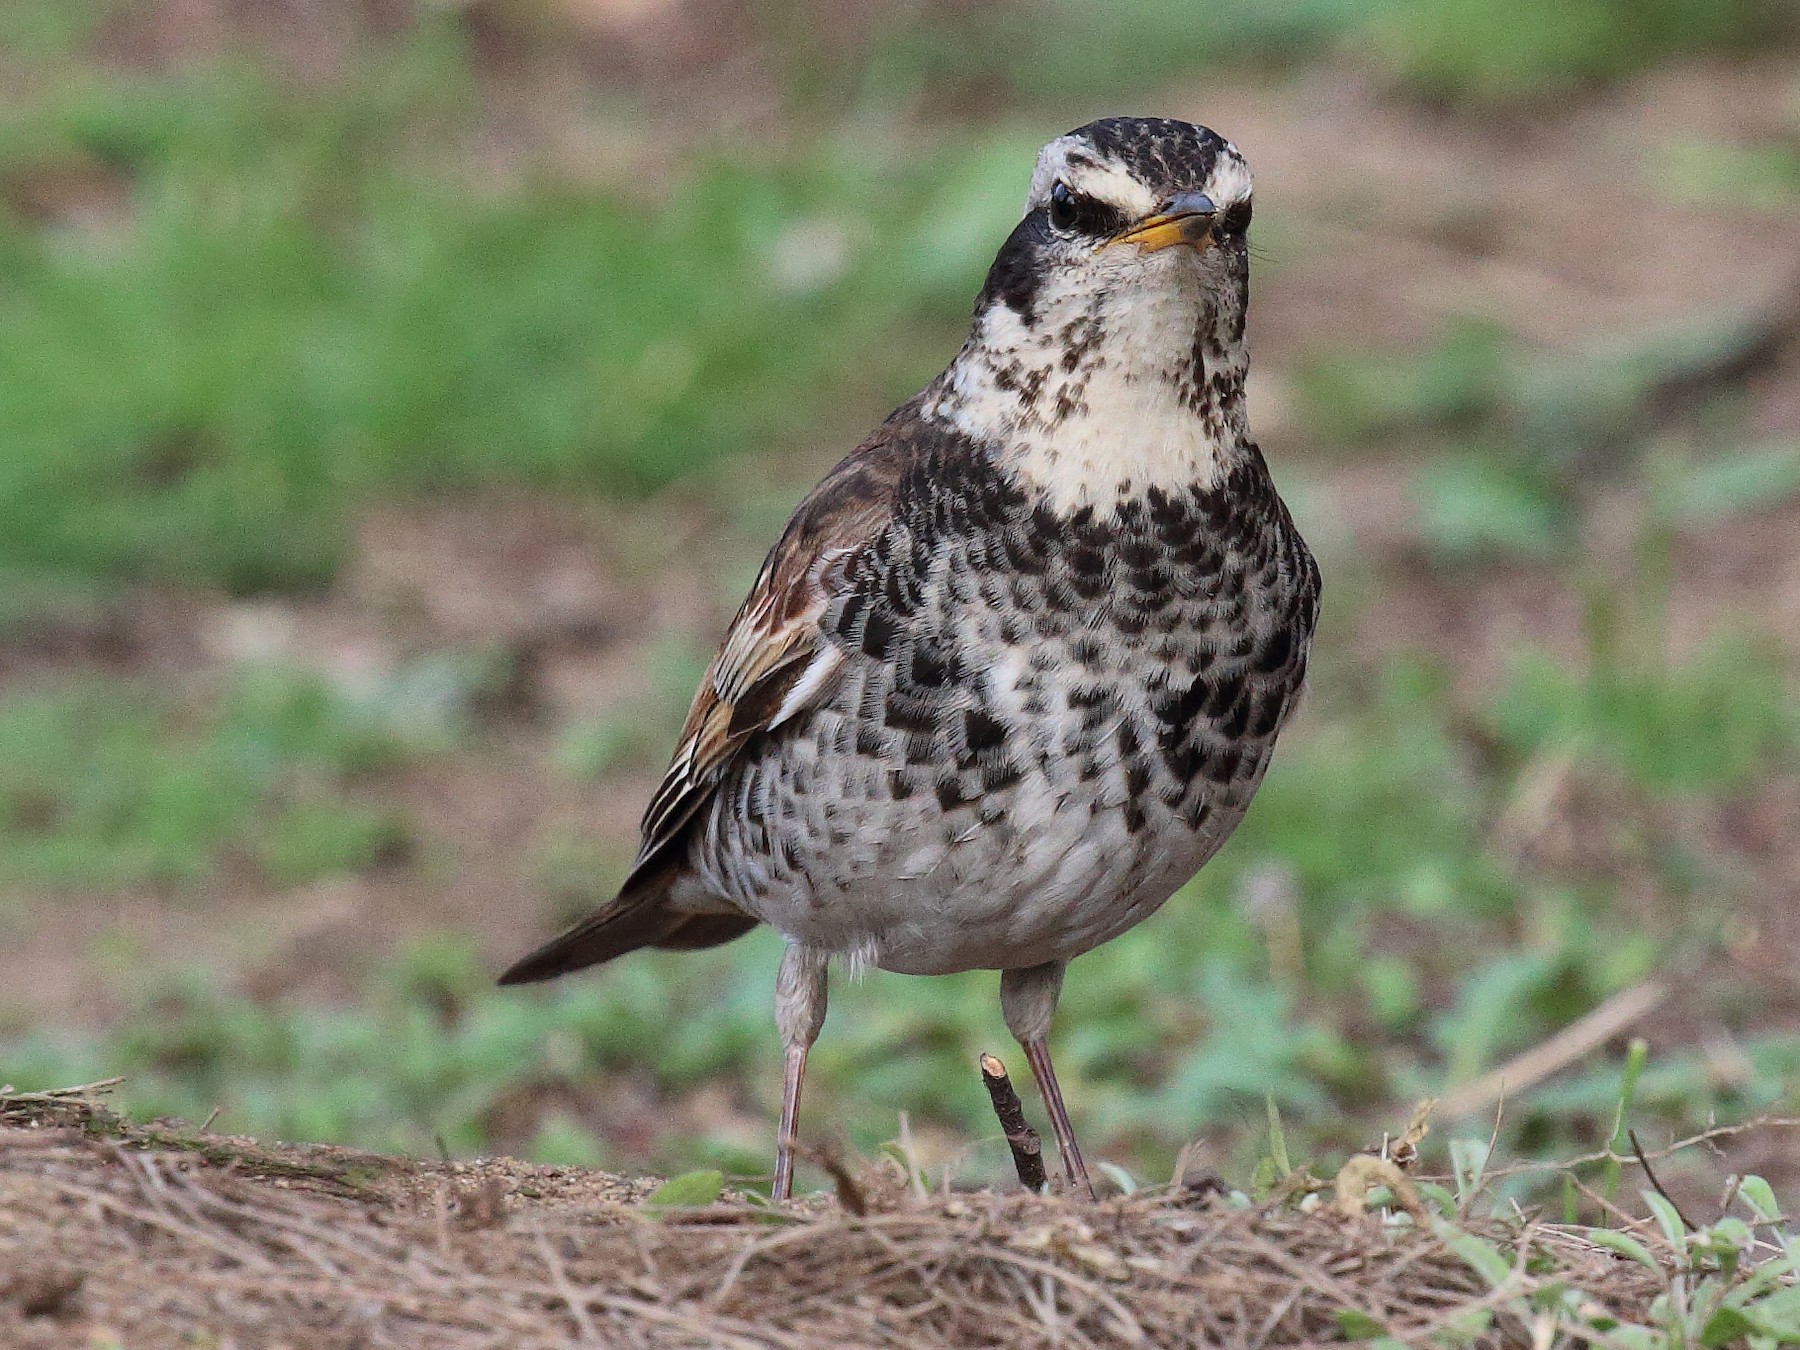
774,662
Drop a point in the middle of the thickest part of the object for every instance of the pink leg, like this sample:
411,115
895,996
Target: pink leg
799,1013
792,1071
1037,1054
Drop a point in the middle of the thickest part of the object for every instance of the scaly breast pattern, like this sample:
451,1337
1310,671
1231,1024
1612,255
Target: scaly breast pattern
1045,724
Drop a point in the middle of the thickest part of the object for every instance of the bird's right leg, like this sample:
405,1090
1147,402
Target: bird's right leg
799,1013
1028,1002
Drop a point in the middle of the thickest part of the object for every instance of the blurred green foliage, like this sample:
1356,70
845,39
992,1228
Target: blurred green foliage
296,310
1714,724
269,303
109,784
1464,51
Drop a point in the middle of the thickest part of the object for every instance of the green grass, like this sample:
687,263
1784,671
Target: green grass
1473,51
106,785
282,299
292,314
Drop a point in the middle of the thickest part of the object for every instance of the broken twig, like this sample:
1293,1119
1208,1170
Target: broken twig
1027,1148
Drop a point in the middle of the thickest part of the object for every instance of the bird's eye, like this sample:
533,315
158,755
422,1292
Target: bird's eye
1063,208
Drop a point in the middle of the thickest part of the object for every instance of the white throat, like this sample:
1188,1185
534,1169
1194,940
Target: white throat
1103,393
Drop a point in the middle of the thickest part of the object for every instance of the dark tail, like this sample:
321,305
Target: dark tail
638,917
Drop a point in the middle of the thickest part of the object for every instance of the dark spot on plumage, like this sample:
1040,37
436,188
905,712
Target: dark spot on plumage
1224,692
1137,552
878,634
1086,560
1129,744
1078,339
1235,315
1219,510
1274,653
1091,696
1000,775
1089,584
909,712
1094,720
1133,815
1196,553
1268,714
869,740
1149,581
1023,554
1181,757
1237,718
1195,815
902,590
981,732
994,591
950,793
1086,650
900,784
932,667
1178,710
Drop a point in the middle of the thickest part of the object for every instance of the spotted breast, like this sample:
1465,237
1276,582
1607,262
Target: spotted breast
1043,722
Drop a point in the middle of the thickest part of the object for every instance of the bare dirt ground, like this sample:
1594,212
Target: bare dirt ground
149,1237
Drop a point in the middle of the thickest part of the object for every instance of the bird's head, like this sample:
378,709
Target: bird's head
1129,211
1116,308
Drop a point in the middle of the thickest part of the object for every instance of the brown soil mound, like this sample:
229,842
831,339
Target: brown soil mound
152,1236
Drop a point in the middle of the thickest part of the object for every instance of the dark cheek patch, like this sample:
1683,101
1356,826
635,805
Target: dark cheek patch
1018,269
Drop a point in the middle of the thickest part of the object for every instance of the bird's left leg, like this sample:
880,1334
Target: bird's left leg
1028,1002
799,1013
